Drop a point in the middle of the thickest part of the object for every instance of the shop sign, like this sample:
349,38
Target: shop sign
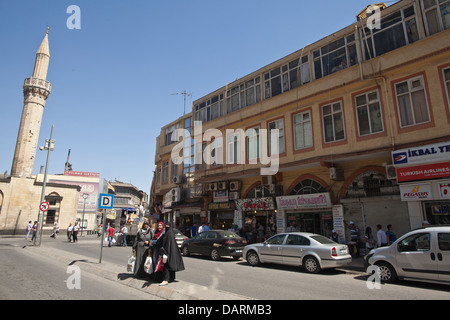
423,154
221,206
444,190
416,192
255,204
304,201
425,172
220,196
338,221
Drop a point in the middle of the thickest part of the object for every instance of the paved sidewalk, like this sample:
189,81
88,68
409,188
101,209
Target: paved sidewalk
178,290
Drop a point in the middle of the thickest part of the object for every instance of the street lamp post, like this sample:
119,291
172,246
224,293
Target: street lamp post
85,196
49,146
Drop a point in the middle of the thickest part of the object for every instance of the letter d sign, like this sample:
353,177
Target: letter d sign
106,201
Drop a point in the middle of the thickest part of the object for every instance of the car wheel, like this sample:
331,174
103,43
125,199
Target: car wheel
215,255
185,251
311,264
386,272
252,258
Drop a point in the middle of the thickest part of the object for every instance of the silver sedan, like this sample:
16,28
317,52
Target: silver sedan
312,251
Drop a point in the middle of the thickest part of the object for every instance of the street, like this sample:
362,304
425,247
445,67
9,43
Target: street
42,277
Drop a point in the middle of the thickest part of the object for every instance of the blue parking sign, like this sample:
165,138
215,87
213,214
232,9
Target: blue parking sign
106,201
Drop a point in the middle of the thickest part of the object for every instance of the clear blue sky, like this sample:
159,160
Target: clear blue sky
112,80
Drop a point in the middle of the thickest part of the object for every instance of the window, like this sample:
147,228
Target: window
174,170
333,122
412,102
210,109
253,143
168,134
368,113
234,148
244,95
397,30
446,74
302,130
286,77
436,15
165,172
335,56
277,124
158,176
279,239
296,240
415,242
444,241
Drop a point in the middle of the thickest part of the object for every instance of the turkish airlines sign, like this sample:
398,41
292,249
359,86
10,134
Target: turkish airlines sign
424,172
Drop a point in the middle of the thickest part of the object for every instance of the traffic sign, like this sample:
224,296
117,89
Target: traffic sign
106,201
44,206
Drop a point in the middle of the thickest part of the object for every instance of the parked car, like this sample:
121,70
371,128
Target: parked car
179,237
422,254
215,243
312,251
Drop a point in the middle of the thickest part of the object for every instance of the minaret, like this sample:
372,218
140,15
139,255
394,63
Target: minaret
35,91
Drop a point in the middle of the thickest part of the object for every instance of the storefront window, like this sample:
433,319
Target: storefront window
437,212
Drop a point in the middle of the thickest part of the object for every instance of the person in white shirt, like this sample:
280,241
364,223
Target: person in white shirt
381,237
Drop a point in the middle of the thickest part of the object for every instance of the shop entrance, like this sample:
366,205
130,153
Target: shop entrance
313,222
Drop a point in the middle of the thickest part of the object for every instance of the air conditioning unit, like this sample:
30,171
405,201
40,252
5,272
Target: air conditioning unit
336,174
177,179
233,195
211,187
235,185
223,185
176,195
267,180
391,172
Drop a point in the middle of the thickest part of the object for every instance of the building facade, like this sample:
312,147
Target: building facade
342,106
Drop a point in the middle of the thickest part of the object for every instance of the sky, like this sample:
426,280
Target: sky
113,79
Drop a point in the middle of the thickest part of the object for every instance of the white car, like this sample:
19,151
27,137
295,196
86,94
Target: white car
422,254
312,251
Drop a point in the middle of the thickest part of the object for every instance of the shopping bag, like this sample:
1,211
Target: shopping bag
130,264
148,265
159,264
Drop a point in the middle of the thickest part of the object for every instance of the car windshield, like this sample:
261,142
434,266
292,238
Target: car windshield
177,232
322,239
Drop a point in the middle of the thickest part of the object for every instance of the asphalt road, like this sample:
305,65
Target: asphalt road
268,282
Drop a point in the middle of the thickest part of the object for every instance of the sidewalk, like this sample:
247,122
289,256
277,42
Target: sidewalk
178,290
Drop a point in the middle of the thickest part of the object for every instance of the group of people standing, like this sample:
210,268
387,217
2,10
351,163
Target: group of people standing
381,239
72,232
156,243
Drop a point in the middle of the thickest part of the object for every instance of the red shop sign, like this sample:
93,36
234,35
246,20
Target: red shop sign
425,172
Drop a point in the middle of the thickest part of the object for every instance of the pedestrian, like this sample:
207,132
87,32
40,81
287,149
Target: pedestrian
110,233
390,234
193,230
334,236
156,245
174,261
69,232
124,231
370,240
354,238
28,229
381,236
76,227
34,230
141,248
200,229
55,230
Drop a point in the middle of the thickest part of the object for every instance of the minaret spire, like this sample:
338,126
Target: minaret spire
35,91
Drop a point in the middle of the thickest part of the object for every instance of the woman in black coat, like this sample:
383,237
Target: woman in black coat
174,261
140,249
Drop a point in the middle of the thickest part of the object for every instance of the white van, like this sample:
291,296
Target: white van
422,255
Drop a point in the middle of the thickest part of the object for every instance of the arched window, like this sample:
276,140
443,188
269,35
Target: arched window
307,186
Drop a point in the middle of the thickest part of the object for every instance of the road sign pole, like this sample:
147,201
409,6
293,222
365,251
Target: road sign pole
103,235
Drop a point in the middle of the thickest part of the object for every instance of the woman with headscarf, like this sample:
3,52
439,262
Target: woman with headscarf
156,245
140,249
174,261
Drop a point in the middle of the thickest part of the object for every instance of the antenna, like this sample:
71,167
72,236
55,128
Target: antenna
184,94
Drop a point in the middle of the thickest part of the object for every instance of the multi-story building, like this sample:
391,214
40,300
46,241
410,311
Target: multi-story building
354,111
129,202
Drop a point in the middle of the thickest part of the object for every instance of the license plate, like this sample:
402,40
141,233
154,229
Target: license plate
343,251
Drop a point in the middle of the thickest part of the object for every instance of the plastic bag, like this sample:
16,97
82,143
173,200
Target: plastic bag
130,264
160,264
148,265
